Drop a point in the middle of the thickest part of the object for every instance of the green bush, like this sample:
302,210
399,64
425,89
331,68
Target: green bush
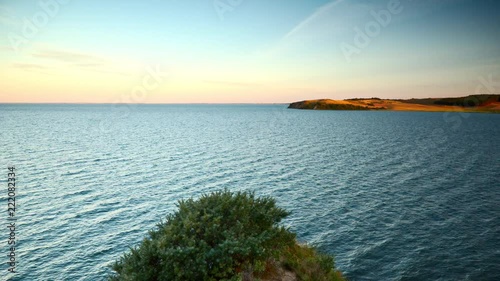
309,265
221,236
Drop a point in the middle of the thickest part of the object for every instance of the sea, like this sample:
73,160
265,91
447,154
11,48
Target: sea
391,195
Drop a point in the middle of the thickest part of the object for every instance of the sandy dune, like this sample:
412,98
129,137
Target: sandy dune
492,106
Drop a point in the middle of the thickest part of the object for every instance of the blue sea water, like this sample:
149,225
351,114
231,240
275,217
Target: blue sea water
393,195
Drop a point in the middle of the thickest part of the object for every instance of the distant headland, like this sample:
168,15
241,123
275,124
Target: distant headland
472,103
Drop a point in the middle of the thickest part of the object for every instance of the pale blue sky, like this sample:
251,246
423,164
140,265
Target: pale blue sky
253,51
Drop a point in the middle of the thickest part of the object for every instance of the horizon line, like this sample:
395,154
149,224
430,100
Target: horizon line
242,103
174,103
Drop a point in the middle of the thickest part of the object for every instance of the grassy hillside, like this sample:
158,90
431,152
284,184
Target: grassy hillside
327,105
468,101
473,103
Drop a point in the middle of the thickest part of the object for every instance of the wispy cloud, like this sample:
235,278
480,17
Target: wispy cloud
29,66
325,22
68,57
316,14
88,64
336,21
6,48
332,14
32,67
81,61
232,83
8,17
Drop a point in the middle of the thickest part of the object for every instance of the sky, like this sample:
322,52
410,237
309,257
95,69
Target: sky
246,51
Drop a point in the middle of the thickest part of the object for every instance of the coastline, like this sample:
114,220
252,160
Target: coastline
469,104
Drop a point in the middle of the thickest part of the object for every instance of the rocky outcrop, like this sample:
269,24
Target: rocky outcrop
326,105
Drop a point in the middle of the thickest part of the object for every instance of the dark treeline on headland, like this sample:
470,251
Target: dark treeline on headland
472,103
468,101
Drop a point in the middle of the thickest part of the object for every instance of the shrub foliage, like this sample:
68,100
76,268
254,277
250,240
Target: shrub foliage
220,236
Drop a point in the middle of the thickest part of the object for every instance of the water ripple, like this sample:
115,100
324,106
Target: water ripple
393,195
